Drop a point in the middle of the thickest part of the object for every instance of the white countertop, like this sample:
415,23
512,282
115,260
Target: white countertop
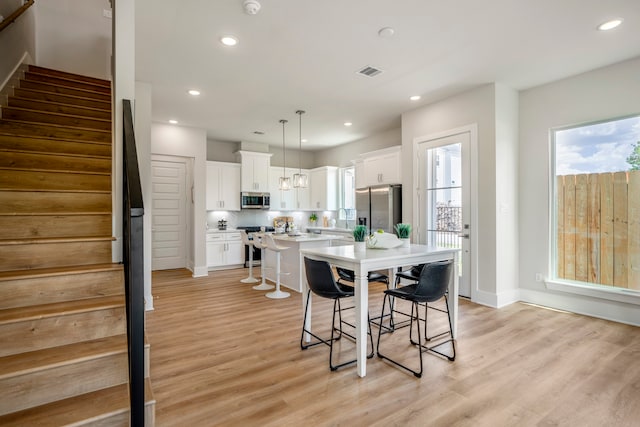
228,230
331,229
305,237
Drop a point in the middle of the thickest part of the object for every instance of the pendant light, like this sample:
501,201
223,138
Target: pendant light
285,181
300,180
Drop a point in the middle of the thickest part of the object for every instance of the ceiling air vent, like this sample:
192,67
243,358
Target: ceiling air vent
369,71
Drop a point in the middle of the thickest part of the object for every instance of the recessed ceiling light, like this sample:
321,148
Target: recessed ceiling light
386,32
194,92
305,140
348,123
229,40
610,25
173,122
415,97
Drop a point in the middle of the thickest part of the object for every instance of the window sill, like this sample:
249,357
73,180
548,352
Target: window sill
628,296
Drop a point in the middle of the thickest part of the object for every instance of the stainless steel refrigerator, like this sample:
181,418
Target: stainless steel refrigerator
379,207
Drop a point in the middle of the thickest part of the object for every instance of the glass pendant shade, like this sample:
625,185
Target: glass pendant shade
300,180
284,181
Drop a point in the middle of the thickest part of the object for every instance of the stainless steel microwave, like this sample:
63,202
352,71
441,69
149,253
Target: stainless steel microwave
254,200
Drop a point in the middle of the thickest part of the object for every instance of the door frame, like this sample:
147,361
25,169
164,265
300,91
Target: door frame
472,130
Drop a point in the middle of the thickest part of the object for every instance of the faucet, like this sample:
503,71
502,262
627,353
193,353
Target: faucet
346,217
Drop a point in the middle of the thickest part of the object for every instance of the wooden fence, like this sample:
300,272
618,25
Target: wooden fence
598,238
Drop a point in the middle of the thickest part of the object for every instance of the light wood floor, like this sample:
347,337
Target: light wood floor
223,354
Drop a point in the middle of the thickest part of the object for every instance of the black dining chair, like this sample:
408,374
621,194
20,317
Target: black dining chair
431,286
323,284
345,275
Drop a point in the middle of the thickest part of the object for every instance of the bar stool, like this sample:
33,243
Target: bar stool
246,241
272,246
258,243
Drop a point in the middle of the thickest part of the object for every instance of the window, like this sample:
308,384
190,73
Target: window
596,204
347,211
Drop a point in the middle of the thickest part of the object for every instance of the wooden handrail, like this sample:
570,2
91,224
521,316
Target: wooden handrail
12,18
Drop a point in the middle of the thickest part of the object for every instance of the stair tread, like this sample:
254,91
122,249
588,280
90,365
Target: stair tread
64,81
54,125
64,171
43,93
38,69
36,312
25,363
42,103
57,271
95,213
51,113
53,190
76,91
56,154
90,407
38,240
49,139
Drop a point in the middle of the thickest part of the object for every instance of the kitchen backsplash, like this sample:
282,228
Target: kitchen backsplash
253,217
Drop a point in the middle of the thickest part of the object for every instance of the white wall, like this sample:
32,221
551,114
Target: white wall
18,40
192,143
73,36
605,93
473,107
342,155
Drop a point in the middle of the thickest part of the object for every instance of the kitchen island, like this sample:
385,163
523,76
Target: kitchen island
290,258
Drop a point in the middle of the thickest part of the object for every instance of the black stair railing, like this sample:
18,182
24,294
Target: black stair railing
133,267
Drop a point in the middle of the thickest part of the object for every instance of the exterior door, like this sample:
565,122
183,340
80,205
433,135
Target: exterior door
169,214
445,199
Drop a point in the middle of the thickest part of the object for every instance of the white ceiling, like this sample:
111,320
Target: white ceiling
304,54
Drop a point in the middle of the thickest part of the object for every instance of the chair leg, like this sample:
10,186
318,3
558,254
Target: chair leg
433,348
277,294
264,286
250,279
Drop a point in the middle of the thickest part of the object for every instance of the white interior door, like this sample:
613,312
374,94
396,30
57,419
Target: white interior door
444,198
169,214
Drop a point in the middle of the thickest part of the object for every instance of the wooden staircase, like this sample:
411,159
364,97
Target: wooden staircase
63,341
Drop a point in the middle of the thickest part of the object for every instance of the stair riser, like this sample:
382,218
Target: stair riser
11,113
40,226
62,382
46,87
63,74
51,131
46,255
22,160
52,289
55,146
15,202
51,107
66,82
55,331
36,180
61,98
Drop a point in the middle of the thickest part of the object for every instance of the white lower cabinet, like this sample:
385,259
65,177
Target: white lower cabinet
224,250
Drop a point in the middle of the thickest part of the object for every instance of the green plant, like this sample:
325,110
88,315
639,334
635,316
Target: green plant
403,230
313,217
359,233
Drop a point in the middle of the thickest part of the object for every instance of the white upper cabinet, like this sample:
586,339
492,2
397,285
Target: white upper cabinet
379,167
255,171
323,184
223,186
293,199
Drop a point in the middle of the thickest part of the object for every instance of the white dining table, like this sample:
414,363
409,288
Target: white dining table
362,261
